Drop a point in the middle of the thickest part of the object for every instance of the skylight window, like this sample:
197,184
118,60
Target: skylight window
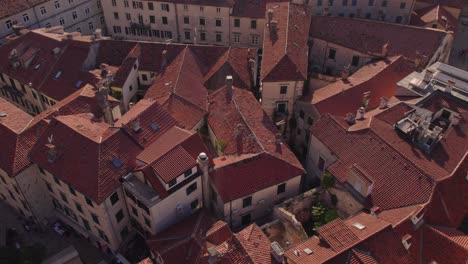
37,66
57,75
359,226
117,163
154,127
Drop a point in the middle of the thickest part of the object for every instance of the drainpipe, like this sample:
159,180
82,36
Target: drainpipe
421,247
177,22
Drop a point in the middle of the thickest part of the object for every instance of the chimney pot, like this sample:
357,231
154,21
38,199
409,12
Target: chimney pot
345,74
360,113
449,87
383,103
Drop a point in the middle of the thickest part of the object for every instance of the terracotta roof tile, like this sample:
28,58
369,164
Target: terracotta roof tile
239,121
337,234
187,114
360,257
439,243
186,241
369,36
391,190
285,49
146,121
78,138
451,3
444,158
345,96
434,14
12,125
13,7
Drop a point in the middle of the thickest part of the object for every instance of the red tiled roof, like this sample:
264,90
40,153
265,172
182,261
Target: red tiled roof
360,257
444,158
78,138
337,235
369,36
182,77
13,7
14,156
398,215
449,203
187,241
343,239
255,142
173,153
434,14
146,113
234,62
345,96
391,190
251,8
255,244
187,114
451,3
443,245
285,50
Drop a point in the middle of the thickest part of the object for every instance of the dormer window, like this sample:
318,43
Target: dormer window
172,183
57,75
117,163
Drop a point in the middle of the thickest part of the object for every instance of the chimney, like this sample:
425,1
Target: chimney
97,34
365,99
270,14
214,255
360,113
449,87
375,211
102,95
163,59
383,102
428,75
345,74
51,152
251,63
14,58
350,119
273,26
278,139
229,83
203,164
385,50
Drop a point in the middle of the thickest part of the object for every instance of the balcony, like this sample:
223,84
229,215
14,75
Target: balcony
142,192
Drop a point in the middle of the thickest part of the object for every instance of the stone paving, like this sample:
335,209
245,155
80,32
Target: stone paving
53,242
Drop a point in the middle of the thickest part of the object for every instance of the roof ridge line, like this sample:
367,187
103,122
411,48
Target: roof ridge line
245,121
188,101
180,69
287,31
435,229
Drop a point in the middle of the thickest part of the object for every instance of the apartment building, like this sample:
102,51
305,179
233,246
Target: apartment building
347,43
224,23
19,186
255,168
284,62
84,16
369,87
166,185
381,10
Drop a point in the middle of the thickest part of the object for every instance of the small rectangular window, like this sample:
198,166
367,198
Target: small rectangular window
147,222
164,20
236,22
321,164
218,37
194,204
114,3
283,89
355,61
150,6
186,20
253,24
187,35
281,188
95,218
89,202
202,21
191,188
114,198
331,54
246,202
218,22
165,7
188,173
119,216
152,19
